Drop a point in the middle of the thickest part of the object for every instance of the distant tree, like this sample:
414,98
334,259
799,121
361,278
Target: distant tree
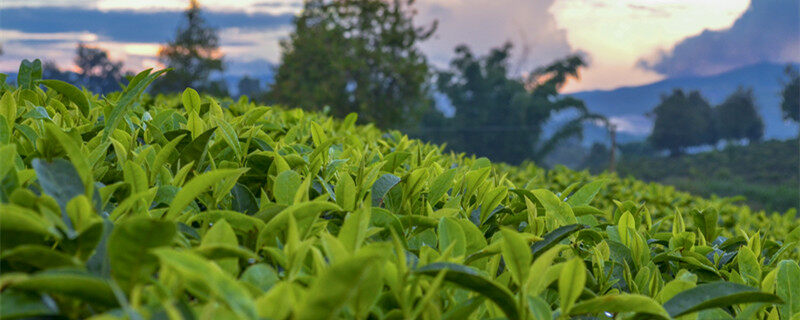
355,56
96,70
683,121
737,117
194,56
502,116
248,86
597,159
790,104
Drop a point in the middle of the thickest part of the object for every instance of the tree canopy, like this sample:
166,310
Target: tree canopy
790,104
737,117
501,115
355,56
193,55
681,121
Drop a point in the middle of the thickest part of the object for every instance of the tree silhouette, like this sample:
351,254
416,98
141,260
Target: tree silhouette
737,117
355,56
501,116
683,121
790,104
194,56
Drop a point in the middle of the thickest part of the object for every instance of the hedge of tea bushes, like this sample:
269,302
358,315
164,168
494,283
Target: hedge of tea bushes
190,207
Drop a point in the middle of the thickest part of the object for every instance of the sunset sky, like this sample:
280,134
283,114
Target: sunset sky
628,42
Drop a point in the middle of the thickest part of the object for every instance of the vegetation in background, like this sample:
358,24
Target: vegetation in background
356,56
129,206
766,173
96,71
501,116
790,103
737,118
683,120
194,57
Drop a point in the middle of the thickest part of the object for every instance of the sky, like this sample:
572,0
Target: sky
627,42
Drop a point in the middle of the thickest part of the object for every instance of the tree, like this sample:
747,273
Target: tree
250,87
683,121
737,117
96,70
194,56
355,56
501,116
790,104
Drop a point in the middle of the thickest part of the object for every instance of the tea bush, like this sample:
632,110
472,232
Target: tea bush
140,207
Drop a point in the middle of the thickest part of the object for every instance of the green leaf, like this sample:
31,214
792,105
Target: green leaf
129,249
230,137
356,281
38,256
194,150
451,234
191,100
555,207
749,267
8,107
553,238
220,285
469,279
222,233
440,185
243,200
132,92
382,186
394,159
621,303
346,192
71,92
516,255
492,199
715,295
60,180
286,185
16,304
76,156
354,229
196,186
28,73
70,283
18,219
585,194
788,288
571,283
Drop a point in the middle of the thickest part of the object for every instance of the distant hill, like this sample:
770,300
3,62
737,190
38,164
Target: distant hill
630,104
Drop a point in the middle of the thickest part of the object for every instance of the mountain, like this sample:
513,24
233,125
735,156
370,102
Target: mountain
628,105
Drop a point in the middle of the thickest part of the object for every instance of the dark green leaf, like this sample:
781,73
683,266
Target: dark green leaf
469,279
714,295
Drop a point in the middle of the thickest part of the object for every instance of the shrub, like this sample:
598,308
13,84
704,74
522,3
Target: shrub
130,206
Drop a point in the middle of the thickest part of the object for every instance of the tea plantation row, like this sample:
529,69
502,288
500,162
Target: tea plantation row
186,207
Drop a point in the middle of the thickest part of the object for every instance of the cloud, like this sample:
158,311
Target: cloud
127,25
485,24
767,31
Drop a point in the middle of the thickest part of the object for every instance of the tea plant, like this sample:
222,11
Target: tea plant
140,207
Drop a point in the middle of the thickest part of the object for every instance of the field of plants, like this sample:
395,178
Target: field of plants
188,207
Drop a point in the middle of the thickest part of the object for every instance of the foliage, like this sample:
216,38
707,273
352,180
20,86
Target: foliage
501,116
737,117
681,121
355,56
765,173
96,72
790,103
190,207
248,86
193,55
